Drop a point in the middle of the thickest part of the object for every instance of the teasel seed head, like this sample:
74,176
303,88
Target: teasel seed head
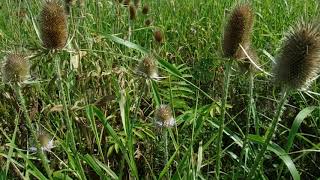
132,12
238,31
53,25
164,117
148,67
145,9
299,61
148,22
158,36
15,68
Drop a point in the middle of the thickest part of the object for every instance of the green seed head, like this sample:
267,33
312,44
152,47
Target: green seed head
148,67
164,117
299,61
15,68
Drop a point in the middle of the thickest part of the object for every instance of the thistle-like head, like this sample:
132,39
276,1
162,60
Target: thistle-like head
164,117
148,67
15,68
299,60
53,25
238,31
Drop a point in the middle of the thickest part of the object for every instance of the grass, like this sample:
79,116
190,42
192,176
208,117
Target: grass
101,113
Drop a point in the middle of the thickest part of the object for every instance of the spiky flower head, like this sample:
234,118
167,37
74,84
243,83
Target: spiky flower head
238,31
15,68
299,61
164,117
132,12
148,67
145,9
45,140
53,25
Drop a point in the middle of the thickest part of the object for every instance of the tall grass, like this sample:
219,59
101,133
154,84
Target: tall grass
101,112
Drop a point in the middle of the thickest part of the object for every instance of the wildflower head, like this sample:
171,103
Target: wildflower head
15,68
237,31
299,61
145,9
45,140
53,25
148,67
164,117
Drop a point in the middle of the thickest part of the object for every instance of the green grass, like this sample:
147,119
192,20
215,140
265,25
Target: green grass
101,113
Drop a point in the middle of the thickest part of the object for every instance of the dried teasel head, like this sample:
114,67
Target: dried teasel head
164,117
53,25
145,9
158,36
15,68
148,67
132,12
238,31
299,61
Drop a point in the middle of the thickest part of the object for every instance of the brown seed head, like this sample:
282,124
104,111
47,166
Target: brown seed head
148,67
299,61
145,9
15,68
148,22
133,12
53,25
164,116
158,36
238,31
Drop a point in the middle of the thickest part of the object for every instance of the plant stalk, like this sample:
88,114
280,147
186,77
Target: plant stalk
270,134
44,160
223,113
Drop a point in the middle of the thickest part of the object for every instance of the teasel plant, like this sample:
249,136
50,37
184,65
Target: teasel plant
297,65
15,72
54,36
237,33
131,18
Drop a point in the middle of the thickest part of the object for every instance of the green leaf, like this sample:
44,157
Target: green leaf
280,153
99,167
59,175
126,43
167,166
155,93
296,125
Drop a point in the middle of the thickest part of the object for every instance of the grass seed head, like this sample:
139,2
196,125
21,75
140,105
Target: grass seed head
133,12
53,25
238,31
158,36
164,117
148,67
299,61
15,68
145,9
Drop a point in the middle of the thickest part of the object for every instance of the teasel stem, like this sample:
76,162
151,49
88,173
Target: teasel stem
249,112
270,132
226,81
70,133
44,160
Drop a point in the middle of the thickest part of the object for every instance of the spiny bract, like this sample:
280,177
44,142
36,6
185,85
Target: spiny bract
299,61
53,25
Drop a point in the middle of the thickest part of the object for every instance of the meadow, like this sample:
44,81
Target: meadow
145,90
